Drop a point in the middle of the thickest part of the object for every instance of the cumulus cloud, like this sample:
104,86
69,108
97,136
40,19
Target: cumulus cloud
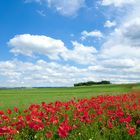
117,70
119,63
109,24
63,7
40,73
131,31
124,42
117,3
117,60
27,44
81,54
31,45
95,33
17,73
119,53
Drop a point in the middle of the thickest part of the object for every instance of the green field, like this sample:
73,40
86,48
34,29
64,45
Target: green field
23,97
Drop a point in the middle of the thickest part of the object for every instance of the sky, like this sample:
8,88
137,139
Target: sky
56,43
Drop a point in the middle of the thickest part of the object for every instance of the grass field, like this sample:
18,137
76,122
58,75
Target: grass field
24,117
23,97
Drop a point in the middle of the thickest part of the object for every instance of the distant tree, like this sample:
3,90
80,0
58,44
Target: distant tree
105,82
89,83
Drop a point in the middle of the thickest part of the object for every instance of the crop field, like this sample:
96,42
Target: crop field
107,112
24,97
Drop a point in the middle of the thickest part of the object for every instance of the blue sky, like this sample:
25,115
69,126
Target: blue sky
59,42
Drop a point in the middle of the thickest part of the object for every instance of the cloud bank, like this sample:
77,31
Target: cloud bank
117,59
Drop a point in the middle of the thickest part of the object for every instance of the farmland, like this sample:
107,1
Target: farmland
107,112
24,97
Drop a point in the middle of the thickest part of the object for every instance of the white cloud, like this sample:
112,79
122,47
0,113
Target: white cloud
38,1
40,73
117,71
117,3
27,44
118,59
109,24
94,33
131,31
124,42
31,45
66,7
119,63
119,55
81,54
63,7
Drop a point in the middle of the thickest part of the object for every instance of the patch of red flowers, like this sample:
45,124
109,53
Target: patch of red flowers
64,129
62,118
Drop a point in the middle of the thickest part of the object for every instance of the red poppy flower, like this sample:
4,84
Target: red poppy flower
48,134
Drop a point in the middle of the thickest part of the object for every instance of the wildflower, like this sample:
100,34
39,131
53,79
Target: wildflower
75,126
54,119
63,129
131,131
48,134
110,124
62,132
138,122
79,134
1,112
9,111
15,109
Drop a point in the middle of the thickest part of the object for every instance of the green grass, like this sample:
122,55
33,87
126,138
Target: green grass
23,97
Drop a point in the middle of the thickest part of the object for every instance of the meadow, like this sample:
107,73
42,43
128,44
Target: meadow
107,112
24,97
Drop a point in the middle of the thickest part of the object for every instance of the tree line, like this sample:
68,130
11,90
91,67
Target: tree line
90,83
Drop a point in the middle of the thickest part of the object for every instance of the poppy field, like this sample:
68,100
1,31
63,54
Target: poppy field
103,117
